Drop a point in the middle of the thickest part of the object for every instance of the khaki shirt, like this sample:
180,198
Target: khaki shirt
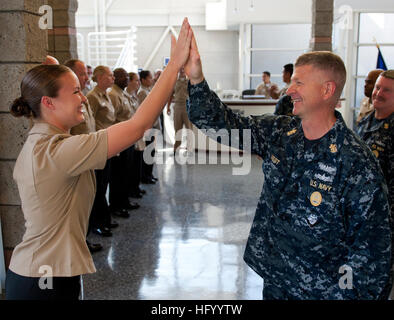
55,177
366,108
264,89
180,91
89,124
142,94
121,104
103,110
140,144
283,91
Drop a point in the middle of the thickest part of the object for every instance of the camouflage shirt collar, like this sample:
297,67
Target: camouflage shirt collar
369,125
330,143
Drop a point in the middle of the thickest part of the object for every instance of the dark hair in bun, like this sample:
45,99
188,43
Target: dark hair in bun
20,107
38,82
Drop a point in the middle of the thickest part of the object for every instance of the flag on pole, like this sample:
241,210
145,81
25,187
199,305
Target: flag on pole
380,64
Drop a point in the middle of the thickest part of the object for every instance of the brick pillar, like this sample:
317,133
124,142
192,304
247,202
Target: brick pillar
62,40
22,46
322,19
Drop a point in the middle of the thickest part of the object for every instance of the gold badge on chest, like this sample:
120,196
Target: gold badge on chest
333,148
316,199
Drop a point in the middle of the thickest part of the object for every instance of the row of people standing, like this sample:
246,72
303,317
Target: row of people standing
114,99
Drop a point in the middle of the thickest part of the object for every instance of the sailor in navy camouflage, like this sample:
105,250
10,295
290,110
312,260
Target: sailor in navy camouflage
284,106
377,130
324,202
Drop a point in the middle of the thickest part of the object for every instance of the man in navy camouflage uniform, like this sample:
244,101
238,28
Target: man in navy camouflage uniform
377,130
284,106
323,213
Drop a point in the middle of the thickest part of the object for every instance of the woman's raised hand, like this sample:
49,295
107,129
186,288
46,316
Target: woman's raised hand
180,48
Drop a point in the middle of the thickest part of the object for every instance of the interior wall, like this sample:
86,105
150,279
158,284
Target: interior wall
218,49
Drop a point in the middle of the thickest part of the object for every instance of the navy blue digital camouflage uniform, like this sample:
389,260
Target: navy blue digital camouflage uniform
379,136
284,106
320,209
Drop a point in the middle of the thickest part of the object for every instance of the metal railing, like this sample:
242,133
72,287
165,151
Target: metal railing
113,49
81,47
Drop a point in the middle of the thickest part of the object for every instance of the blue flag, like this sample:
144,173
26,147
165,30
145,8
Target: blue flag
380,64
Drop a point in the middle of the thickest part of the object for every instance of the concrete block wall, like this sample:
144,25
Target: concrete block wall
322,19
23,45
62,41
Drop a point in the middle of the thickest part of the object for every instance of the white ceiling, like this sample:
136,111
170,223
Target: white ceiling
164,12
126,7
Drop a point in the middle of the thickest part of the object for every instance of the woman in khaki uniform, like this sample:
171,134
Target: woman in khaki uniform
54,174
104,115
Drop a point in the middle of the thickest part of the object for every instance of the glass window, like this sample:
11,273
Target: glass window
287,42
373,27
378,25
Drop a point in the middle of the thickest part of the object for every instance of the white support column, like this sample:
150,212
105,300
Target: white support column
351,65
241,48
247,56
103,15
109,5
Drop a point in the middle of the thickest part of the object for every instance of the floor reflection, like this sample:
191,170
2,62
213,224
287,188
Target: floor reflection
186,241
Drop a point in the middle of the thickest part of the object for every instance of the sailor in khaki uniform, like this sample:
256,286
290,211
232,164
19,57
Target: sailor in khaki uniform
139,146
89,124
120,171
55,177
180,114
63,166
104,114
264,87
146,83
102,108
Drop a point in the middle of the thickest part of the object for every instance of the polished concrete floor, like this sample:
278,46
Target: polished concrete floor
187,239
